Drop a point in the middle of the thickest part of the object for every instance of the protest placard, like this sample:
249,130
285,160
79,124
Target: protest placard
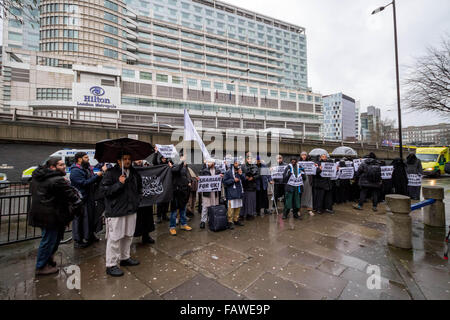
336,173
346,173
168,151
414,180
386,172
356,164
328,170
209,184
309,166
295,181
277,172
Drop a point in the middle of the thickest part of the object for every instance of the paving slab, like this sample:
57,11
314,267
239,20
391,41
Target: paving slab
329,285
216,259
271,287
202,288
159,271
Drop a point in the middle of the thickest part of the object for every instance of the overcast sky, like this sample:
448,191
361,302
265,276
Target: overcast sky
351,51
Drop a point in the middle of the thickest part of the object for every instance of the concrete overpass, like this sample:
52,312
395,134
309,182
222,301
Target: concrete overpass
71,133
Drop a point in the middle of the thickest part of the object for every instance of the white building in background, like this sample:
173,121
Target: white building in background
231,67
339,114
358,120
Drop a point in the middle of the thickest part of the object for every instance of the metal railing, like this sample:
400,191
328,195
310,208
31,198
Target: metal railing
113,122
15,204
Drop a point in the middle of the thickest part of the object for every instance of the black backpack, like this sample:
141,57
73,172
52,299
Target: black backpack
374,173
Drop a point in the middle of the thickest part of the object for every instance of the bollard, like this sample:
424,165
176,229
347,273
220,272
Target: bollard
434,215
399,223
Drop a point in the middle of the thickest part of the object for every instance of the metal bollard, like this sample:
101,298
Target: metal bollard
434,215
399,223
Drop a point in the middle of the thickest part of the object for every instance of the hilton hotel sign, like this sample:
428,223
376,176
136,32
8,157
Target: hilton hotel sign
95,96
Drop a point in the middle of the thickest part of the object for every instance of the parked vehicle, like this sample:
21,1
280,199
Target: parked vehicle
67,156
433,160
4,183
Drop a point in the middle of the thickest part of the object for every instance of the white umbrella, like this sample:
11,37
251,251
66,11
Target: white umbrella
318,152
344,151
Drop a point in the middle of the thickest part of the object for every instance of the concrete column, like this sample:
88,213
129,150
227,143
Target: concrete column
434,215
399,225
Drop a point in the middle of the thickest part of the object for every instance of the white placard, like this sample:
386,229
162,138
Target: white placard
309,166
386,172
336,173
167,151
346,173
328,170
277,172
356,164
209,184
95,96
414,180
295,181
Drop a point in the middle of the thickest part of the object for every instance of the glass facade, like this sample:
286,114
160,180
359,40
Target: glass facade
290,45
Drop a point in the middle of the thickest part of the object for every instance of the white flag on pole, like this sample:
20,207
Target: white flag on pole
191,134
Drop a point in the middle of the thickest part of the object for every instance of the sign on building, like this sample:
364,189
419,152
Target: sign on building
95,96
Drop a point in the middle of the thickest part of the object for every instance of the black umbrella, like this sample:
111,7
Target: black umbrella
111,150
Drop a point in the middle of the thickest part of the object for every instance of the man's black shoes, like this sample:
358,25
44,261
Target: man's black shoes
202,225
147,240
129,263
239,223
114,271
230,226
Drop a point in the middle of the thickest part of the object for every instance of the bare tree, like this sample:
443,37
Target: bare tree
20,10
428,82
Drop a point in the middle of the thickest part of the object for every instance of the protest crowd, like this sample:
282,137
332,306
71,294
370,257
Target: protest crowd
126,196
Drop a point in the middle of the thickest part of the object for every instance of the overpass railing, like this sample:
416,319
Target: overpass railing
65,117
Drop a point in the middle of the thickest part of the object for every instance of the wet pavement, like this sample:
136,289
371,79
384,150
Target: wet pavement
321,257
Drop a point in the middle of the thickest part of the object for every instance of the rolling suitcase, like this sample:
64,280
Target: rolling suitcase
217,216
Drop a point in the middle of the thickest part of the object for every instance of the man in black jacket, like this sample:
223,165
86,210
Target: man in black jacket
251,174
369,174
83,179
53,205
181,189
279,184
123,190
322,191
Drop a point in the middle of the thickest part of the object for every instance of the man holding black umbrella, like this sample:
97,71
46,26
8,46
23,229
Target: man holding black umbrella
122,186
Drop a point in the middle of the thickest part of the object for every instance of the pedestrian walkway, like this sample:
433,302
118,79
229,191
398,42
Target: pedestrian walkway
320,257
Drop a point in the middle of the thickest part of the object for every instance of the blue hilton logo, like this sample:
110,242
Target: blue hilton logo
97,93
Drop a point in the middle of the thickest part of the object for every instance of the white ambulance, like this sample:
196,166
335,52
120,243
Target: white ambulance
67,155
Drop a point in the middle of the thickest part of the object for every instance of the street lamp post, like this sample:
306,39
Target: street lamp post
397,73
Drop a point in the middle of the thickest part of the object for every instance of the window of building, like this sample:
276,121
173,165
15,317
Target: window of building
177,80
206,84
218,85
111,29
111,53
108,40
111,5
53,94
126,73
231,87
145,75
14,36
70,46
162,77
